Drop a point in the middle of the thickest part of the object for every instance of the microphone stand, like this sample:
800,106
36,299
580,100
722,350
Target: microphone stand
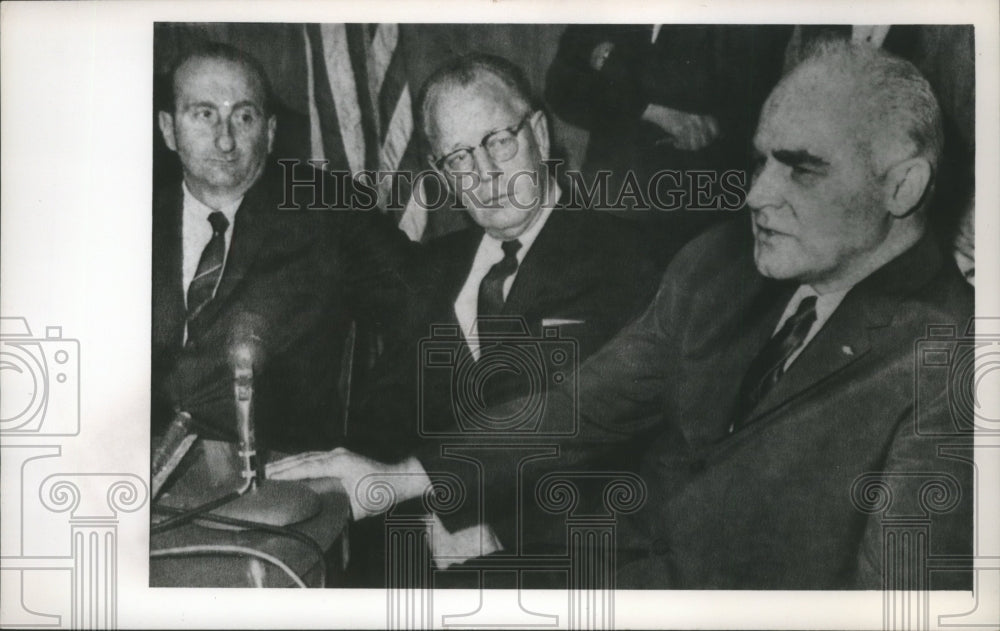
272,502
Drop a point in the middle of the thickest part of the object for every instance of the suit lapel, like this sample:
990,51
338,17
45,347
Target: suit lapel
458,264
843,340
249,231
452,267
543,265
453,271
168,268
853,327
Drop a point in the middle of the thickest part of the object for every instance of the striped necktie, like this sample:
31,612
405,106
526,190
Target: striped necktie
206,277
769,365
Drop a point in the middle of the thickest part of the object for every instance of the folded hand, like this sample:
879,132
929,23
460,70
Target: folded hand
686,131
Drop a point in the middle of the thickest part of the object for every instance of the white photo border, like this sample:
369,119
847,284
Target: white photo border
76,161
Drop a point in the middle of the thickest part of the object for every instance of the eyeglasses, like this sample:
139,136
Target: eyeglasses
500,145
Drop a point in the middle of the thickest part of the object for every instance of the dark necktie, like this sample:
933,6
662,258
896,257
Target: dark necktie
769,365
206,277
491,288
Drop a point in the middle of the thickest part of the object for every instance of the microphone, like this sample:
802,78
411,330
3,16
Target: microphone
273,502
246,356
247,335
175,444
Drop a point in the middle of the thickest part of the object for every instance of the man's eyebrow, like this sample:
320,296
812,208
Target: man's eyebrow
189,106
447,151
209,104
800,157
246,103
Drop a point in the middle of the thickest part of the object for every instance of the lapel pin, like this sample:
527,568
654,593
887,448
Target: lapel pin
847,350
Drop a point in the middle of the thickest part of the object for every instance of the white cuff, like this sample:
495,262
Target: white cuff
449,548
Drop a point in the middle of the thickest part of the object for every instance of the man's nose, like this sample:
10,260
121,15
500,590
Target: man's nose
224,140
486,166
766,189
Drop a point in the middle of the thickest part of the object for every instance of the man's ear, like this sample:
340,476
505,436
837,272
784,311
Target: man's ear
540,128
166,121
907,184
272,125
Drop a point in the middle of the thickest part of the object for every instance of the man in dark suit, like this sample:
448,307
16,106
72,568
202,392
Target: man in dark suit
233,248
795,429
519,299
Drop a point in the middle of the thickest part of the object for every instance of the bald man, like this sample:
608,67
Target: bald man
231,248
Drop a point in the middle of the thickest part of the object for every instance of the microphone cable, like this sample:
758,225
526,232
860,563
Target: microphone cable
198,550
285,531
183,516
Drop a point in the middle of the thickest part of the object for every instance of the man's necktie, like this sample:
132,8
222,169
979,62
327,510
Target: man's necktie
206,277
769,365
491,288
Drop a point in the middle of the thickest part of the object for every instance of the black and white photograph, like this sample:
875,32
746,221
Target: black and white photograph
661,317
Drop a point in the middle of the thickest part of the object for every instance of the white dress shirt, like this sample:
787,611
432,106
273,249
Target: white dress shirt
196,232
489,254
448,548
826,304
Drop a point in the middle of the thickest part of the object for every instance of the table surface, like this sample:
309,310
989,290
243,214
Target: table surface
210,471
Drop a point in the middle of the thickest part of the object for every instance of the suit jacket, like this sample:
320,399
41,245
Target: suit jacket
794,499
308,274
590,271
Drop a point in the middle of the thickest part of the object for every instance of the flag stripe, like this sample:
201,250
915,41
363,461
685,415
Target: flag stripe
414,219
357,47
383,46
328,122
360,108
317,151
340,73
397,138
392,89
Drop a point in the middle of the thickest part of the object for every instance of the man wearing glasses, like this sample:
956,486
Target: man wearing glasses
529,256
532,270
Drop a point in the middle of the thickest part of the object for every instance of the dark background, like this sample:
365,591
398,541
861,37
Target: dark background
944,53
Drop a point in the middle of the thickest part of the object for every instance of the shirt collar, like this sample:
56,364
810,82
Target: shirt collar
196,209
826,304
528,236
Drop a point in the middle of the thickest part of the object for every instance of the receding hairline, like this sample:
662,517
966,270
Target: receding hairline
446,86
224,54
468,70
894,107
824,102
251,73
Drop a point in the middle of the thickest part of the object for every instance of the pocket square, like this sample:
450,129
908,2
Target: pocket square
560,322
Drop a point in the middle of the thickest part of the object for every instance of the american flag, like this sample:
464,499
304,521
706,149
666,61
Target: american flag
360,108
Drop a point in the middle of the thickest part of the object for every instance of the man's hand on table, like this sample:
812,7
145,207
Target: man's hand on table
364,479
